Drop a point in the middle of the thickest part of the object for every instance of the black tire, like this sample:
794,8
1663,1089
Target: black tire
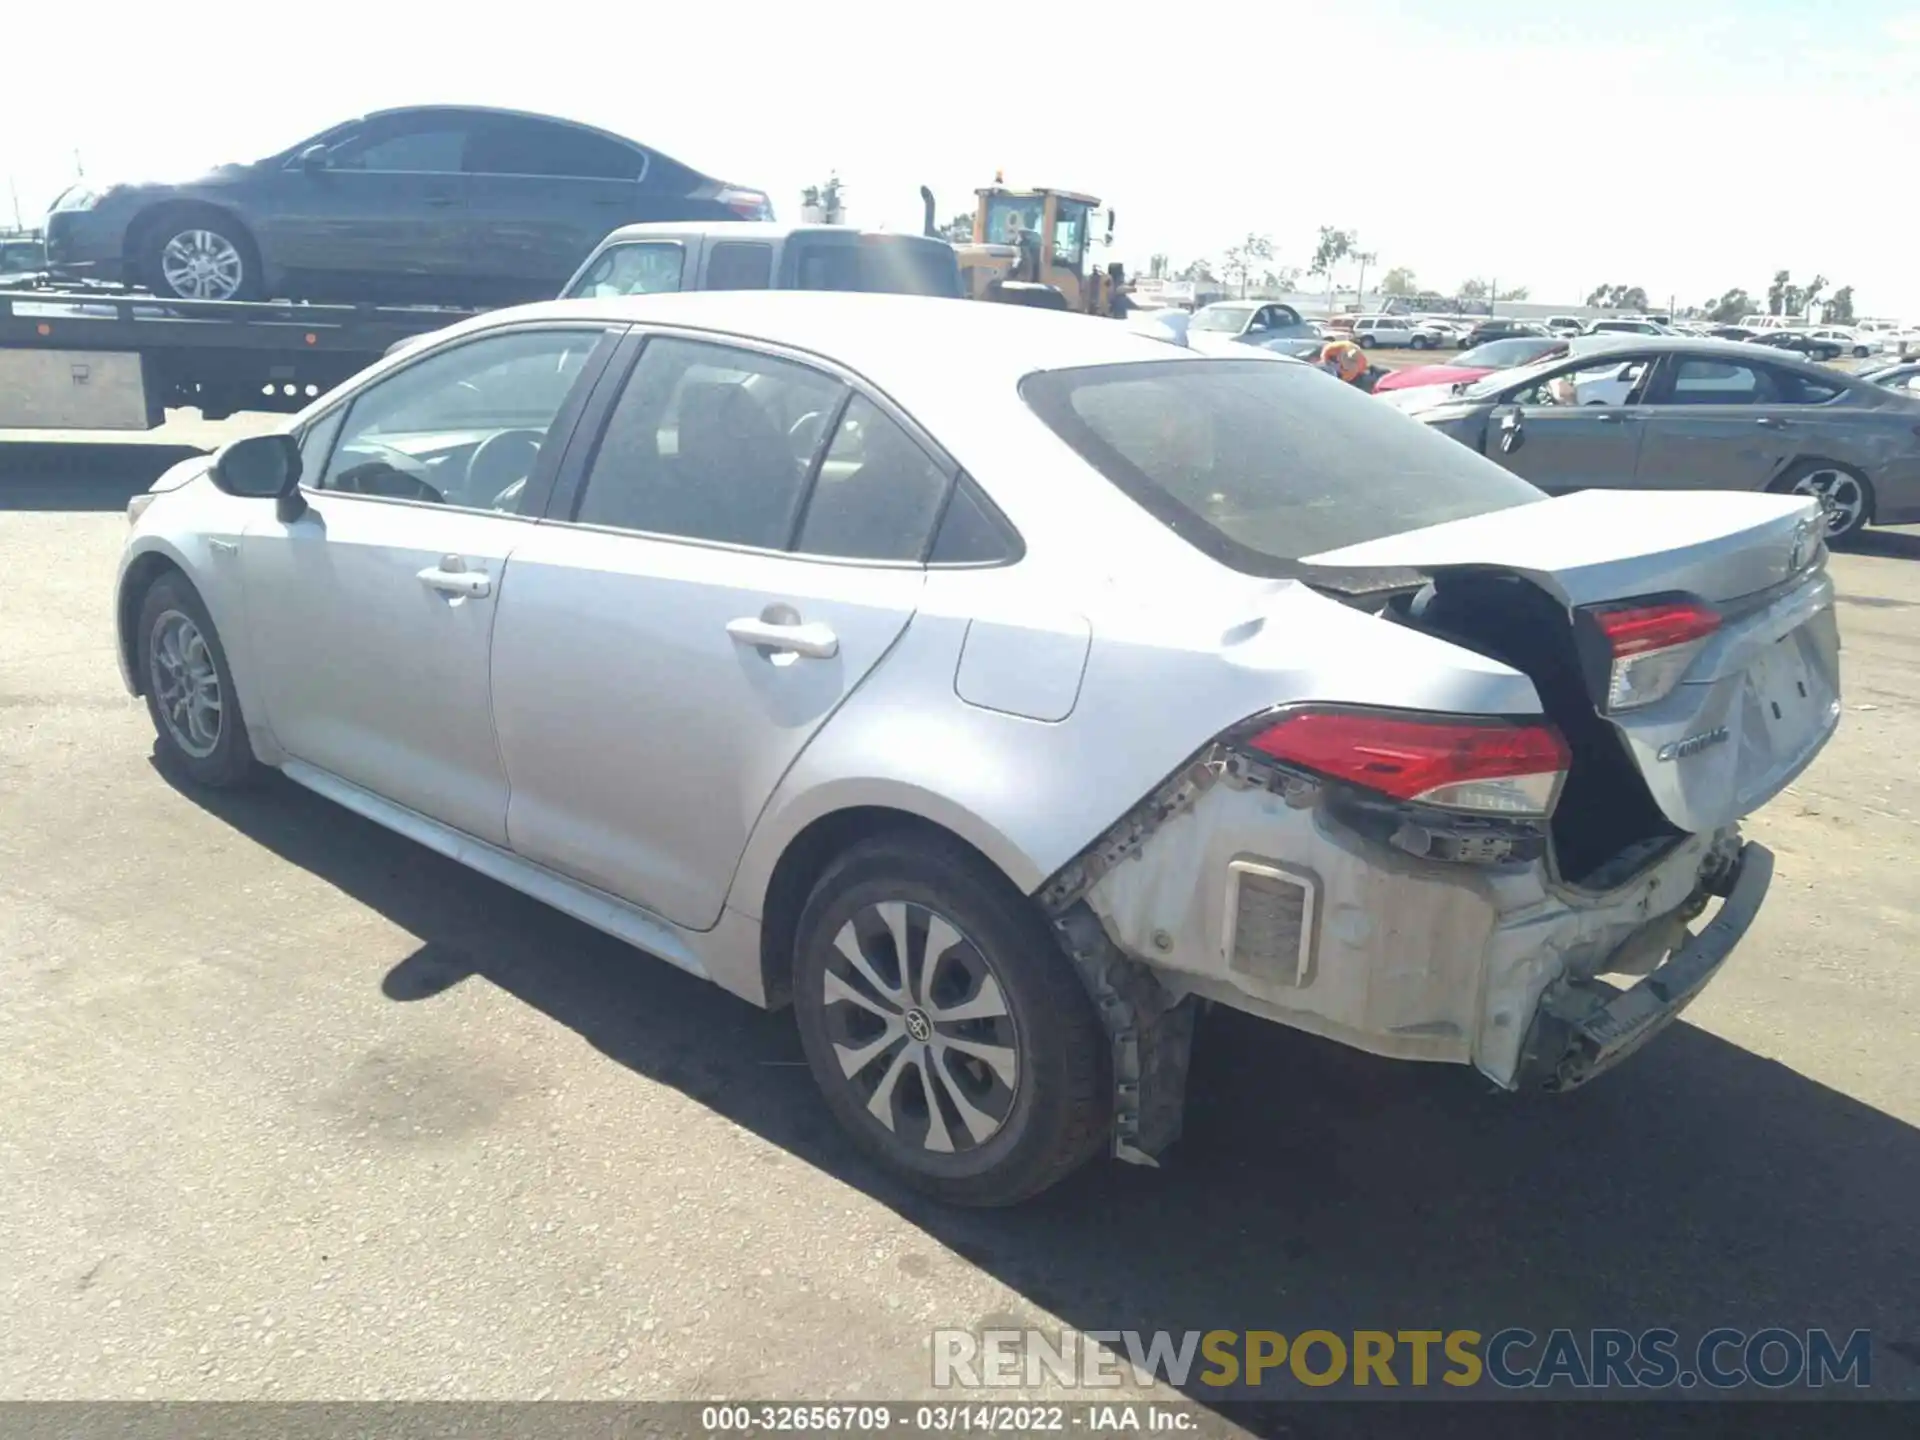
1054,1115
1420,342
1861,352
159,231
1803,471
226,762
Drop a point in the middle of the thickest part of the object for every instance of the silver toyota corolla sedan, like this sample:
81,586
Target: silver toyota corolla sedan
999,687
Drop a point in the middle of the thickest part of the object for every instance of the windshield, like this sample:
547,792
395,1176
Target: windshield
1261,463
1505,354
1222,317
1008,215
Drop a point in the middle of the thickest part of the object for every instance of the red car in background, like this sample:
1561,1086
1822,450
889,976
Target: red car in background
1481,360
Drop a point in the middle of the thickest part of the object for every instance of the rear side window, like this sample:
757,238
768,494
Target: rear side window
533,147
877,494
1262,463
878,264
739,265
1797,389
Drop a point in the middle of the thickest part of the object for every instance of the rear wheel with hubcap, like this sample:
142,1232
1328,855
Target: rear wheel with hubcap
944,1026
1845,496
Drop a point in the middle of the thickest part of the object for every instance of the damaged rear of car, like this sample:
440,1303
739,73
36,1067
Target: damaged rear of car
1506,748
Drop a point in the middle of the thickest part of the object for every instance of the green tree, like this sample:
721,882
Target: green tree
1240,259
1734,305
1157,267
1779,292
959,228
1399,281
1198,272
1518,292
1473,289
1840,307
1335,245
1618,297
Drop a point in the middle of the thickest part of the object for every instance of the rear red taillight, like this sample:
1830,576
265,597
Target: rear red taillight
1651,645
747,204
1456,762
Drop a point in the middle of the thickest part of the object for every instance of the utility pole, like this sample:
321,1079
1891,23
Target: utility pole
14,190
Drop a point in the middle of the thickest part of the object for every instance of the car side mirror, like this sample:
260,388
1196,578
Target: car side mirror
314,157
262,467
1512,427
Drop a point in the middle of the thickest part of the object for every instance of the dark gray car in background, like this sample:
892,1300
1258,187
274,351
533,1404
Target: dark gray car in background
452,205
1667,413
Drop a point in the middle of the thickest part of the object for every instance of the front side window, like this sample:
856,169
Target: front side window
1260,463
433,150
649,267
877,264
463,427
877,494
710,443
1611,383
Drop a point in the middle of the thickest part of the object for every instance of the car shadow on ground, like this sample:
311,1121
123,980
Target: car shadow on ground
1900,544
1316,1187
60,475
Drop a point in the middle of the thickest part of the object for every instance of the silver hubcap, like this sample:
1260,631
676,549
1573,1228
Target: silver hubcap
1840,496
202,265
186,686
921,1028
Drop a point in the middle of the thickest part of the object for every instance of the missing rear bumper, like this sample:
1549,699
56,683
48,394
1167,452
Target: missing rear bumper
1585,1027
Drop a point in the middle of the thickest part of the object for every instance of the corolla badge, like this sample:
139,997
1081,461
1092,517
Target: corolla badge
1693,744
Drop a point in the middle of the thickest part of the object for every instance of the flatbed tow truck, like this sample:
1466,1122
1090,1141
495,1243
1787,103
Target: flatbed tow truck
75,356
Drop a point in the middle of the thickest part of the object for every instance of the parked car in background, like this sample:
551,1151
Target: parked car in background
1800,342
1902,376
21,256
1398,332
1730,332
1565,325
665,256
433,204
1487,330
1625,327
1495,355
1850,343
1248,322
672,577
1663,413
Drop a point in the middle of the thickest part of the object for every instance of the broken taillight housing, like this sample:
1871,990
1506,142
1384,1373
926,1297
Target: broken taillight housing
1649,646
1455,762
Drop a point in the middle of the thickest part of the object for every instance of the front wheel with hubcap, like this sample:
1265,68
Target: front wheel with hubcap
1846,499
189,688
201,257
945,1027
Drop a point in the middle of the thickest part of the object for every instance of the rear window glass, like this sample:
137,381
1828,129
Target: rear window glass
739,265
1262,463
879,264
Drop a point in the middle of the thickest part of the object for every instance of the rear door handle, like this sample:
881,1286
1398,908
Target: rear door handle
441,200
1771,423
814,640
450,577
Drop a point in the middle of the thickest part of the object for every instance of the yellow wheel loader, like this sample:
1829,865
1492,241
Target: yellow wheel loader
1030,247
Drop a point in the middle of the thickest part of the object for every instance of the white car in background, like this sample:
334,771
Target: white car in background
1398,332
1851,341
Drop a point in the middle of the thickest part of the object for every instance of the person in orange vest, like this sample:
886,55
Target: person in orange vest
1344,359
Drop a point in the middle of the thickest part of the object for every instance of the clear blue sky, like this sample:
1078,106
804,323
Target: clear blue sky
1683,146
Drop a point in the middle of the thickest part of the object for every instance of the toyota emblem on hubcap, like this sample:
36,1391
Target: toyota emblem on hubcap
918,1026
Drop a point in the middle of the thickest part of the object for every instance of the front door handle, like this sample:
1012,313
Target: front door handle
814,640
450,577
441,200
1770,423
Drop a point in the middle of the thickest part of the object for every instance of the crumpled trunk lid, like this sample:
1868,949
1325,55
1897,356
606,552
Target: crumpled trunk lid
1759,700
